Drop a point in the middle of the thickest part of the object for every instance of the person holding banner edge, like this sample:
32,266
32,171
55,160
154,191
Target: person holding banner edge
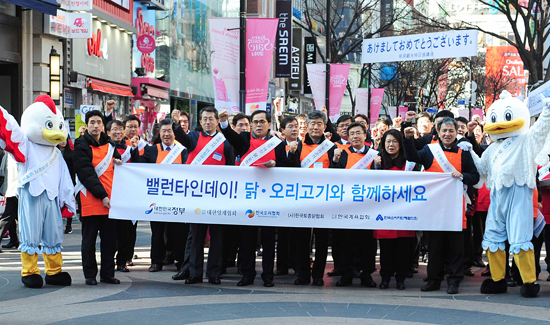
356,156
167,152
206,147
258,148
93,153
442,157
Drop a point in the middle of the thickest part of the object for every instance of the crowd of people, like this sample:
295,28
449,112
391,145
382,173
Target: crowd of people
402,144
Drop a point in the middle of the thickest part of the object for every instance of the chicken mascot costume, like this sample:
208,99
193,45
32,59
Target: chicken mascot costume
509,167
44,187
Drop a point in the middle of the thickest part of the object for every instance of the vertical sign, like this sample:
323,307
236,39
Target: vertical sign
310,58
284,30
295,81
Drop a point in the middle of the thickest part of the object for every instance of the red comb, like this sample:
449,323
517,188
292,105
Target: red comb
46,99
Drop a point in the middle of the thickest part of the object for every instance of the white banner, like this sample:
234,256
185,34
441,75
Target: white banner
290,197
449,44
69,24
534,101
362,101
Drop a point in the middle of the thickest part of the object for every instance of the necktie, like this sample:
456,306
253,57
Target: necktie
168,148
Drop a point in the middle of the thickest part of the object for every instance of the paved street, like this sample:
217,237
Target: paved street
148,298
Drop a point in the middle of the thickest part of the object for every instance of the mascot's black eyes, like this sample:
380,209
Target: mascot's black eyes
49,124
493,118
61,126
508,116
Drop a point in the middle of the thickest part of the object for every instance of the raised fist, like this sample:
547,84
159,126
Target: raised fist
409,132
223,115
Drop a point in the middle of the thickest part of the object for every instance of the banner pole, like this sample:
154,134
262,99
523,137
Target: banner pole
242,57
327,51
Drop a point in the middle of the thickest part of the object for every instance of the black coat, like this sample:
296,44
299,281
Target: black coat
82,160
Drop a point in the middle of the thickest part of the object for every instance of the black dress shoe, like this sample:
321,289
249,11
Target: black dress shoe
384,285
487,272
91,281
214,280
425,279
431,286
452,289
269,283
168,261
280,272
401,286
468,272
193,280
245,282
11,245
344,281
130,263
479,263
155,267
123,268
318,282
368,282
301,281
335,272
181,275
111,280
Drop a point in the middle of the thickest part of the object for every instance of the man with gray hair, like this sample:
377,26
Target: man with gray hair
444,157
315,151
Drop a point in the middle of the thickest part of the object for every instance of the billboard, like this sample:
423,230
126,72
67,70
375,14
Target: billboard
504,71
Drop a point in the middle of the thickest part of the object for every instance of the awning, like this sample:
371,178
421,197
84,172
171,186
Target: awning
45,6
157,92
111,88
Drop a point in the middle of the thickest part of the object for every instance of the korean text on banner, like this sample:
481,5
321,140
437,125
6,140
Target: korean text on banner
377,94
362,101
338,79
224,43
449,44
534,101
288,197
260,40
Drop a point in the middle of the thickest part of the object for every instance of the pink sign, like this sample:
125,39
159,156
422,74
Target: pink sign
260,38
377,94
145,43
479,112
338,80
403,111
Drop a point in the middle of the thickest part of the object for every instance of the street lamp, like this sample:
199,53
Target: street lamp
55,75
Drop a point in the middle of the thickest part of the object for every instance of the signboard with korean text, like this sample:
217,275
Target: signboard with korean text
449,44
69,24
80,5
145,40
287,197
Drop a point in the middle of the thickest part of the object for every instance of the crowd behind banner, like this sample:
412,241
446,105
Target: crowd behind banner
419,142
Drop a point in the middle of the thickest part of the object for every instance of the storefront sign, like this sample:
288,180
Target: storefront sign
144,53
295,81
87,108
284,30
310,58
68,24
260,38
80,5
106,55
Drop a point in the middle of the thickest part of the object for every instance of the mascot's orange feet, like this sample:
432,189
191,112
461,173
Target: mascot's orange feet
31,274
54,276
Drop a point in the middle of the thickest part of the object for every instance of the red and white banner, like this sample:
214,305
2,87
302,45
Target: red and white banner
338,80
224,43
260,40
377,94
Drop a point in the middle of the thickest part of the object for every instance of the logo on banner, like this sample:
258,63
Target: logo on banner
338,81
79,22
146,44
250,213
152,206
258,45
379,218
197,211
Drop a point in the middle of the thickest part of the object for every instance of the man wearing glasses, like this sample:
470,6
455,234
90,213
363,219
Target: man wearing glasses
250,146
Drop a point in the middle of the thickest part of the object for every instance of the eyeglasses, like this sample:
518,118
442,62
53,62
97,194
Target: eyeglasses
352,134
260,122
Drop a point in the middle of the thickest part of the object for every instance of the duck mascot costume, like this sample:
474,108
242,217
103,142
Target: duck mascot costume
508,167
45,186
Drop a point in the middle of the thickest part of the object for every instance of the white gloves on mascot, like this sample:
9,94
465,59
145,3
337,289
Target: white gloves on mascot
44,187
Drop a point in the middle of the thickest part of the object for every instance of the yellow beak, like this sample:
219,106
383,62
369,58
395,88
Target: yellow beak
54,136
504,127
